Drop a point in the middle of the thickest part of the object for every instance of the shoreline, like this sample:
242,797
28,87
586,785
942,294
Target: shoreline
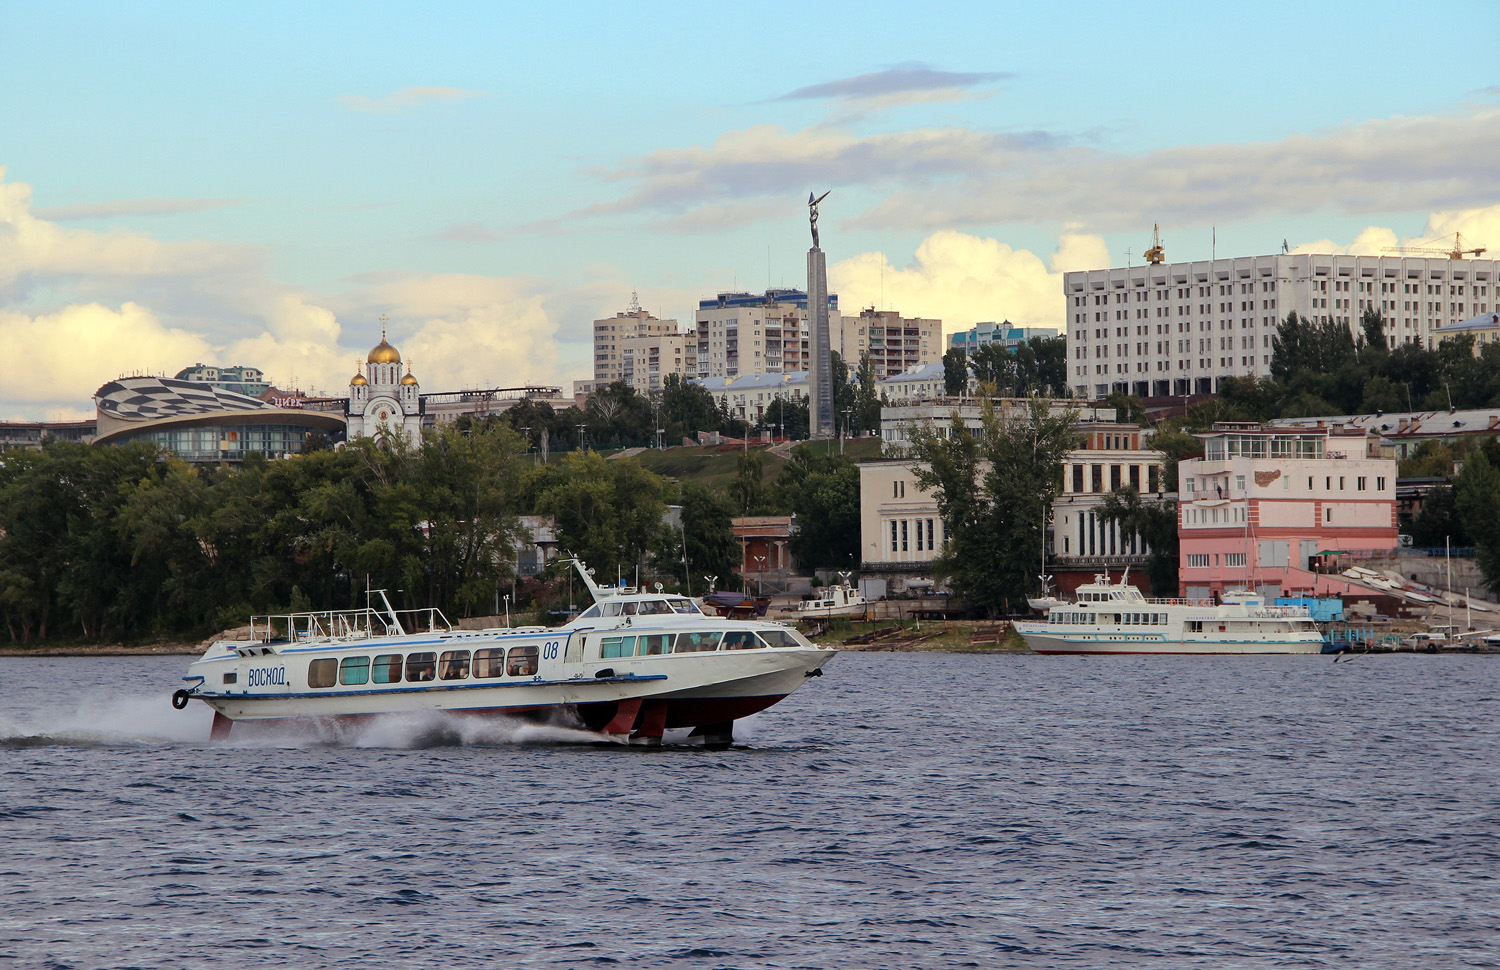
106,650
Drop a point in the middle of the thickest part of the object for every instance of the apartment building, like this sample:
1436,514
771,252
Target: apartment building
1180,328
896,344
1005,333
647,359
610,338
750,333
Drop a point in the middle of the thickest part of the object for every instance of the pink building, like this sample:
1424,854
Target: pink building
1262,503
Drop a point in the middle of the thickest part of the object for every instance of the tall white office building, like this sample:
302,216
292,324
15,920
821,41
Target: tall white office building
1171,329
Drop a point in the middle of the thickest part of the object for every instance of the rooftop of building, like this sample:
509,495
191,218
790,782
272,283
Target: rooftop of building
1484,321
772,297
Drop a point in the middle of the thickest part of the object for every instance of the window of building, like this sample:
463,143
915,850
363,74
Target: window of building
903,535
1359,483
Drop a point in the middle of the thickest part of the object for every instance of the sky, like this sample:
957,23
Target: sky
260,183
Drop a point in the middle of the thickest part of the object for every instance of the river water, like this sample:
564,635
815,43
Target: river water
906,810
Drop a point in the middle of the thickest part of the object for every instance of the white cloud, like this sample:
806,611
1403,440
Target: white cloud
65,356
1478,228
33,247
938,178
464,331
81,308
963,279
131,207
404,98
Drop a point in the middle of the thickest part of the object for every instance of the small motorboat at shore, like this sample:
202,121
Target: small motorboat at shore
839,599
632,666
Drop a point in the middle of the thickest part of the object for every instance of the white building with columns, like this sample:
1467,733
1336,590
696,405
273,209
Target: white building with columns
1173,329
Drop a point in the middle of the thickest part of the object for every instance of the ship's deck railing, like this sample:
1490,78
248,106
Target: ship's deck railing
345,625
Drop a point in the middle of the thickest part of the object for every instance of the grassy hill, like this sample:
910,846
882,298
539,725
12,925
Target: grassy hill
715,467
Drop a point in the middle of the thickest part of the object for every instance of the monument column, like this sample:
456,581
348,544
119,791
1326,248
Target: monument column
820,371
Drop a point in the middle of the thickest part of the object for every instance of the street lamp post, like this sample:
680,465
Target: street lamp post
760,575
580,437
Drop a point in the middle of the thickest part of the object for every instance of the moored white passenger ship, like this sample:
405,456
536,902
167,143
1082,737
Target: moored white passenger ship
633,665
1108,617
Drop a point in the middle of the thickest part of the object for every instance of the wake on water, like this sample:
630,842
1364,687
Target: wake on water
150,719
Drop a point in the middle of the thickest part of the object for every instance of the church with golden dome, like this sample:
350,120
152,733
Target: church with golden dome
384,403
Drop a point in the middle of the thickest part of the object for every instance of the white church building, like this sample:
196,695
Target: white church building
383,403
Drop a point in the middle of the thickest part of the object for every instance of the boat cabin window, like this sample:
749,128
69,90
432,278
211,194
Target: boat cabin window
653,608
697,642
610,609
740,640
453,665
522,661
590,613
778,638
354,671
388,668
322,673
681,605
421,666
611,647
654,644
1195,626
489,662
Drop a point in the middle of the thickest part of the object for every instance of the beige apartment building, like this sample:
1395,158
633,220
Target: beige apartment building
896,344
614,335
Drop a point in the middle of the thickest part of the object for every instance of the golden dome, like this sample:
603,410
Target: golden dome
384,353
408,379
358,381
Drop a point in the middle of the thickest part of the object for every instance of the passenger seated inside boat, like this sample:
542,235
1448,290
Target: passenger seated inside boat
421,666
522,661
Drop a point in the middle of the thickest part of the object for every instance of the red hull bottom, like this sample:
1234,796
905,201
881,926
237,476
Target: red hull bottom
710,713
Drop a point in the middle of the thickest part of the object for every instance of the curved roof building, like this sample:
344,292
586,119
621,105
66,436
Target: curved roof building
202,423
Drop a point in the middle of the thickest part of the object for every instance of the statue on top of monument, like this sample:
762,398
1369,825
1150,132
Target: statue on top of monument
812,213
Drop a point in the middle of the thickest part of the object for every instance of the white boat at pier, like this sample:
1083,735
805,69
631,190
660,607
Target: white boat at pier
1113,617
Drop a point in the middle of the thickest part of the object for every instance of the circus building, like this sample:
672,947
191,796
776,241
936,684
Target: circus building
201,422
383,402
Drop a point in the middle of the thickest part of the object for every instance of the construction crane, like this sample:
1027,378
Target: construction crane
1155,254
1457,252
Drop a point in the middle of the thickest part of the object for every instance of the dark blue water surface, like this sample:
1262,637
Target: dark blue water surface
906,810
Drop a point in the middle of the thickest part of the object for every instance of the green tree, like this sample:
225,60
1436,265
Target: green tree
994,491
866,416
609,512
1477,495
1156,524
1372,327
707,539
686,408
748,490
955,373
1438,520
822,491
787,417
1129,408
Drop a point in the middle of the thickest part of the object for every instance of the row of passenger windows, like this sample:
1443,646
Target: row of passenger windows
392,668
655,644
492,662
1090,619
